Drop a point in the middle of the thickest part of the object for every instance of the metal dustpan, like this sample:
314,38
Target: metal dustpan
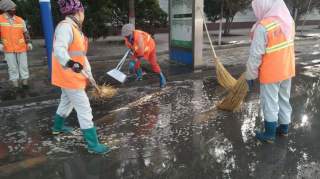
116,73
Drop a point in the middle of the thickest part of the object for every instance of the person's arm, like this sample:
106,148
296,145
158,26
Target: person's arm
257,50
26,33
63,37
140,47
1,43
87,68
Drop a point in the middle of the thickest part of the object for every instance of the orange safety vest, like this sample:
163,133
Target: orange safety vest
64,77
12,35
142,45
278,63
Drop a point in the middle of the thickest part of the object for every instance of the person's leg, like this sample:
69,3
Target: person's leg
132,64
64,109
13,69
81,103
135,67
269,103
156,68
285,107
23,68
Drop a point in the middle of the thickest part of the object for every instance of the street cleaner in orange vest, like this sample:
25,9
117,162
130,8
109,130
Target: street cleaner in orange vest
15,42
143,48
272,60
68,61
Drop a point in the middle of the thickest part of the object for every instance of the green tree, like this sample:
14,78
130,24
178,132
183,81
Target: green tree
298,8
212,9
103,17
148,13
98,17
229,7
29,12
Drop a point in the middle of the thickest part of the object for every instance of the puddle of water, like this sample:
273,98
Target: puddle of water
316,61
315,53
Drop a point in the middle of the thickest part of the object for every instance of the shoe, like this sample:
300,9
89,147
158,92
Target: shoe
93,145
25,84
269,134
282,130
59,127
163,81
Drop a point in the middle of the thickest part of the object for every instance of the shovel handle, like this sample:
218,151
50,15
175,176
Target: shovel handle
119,66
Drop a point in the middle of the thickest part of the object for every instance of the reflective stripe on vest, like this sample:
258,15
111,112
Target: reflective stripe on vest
77,53
5,24
11,25
280,46
271,26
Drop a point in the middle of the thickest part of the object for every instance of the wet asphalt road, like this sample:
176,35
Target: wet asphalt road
172,133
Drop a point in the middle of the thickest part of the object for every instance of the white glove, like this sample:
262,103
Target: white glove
1,48
30,47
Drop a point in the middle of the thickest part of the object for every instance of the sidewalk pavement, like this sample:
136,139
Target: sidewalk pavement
105,55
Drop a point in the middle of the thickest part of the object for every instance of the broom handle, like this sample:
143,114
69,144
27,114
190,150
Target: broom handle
205,25
92,81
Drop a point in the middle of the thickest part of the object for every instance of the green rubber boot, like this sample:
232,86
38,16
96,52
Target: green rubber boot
94,146
59,127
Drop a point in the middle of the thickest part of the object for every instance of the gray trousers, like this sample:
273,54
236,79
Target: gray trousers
17,66
275,102
78,100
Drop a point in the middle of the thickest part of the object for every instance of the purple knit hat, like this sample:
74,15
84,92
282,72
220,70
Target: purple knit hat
68,7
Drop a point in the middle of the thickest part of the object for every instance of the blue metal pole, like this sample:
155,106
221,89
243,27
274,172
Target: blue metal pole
47,24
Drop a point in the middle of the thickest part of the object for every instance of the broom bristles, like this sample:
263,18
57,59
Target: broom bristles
234,99
225,79
105,91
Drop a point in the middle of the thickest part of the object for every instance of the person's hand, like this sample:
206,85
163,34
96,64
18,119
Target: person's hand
250,84
1,47
75,66
30,47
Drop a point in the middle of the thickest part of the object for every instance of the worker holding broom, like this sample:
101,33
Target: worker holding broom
68,62
143,48
272,59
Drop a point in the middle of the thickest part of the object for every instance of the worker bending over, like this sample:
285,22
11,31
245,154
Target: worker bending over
143,47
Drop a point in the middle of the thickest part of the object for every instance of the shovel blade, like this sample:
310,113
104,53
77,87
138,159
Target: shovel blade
117,75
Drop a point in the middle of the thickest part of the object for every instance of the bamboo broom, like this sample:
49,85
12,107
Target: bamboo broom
237,89
234,99
100,92
224,77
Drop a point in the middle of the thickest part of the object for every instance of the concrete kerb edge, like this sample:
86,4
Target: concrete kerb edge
223,47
